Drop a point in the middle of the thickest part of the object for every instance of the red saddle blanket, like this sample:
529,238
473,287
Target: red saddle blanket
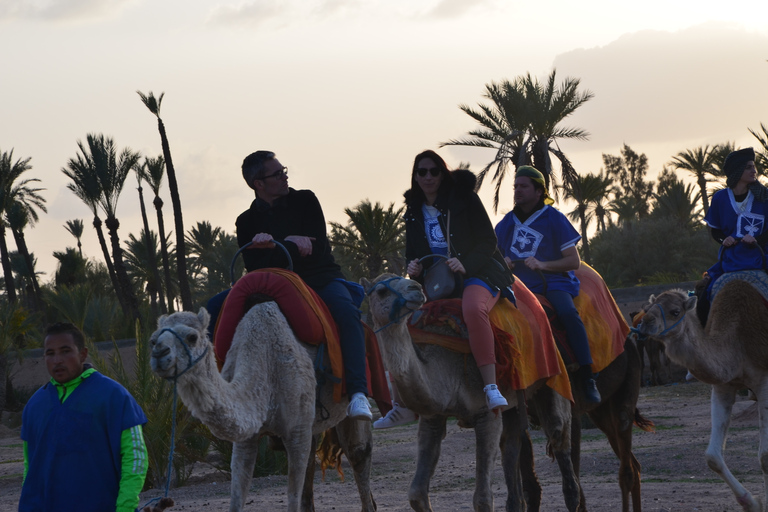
309,318
524,346
605,325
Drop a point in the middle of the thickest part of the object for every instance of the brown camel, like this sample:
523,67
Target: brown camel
267,386
438,383
619,386
730,353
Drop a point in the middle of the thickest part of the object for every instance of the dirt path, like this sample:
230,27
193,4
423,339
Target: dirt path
675,476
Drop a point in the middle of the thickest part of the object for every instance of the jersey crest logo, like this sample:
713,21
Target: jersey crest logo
525,241
749,224
435,236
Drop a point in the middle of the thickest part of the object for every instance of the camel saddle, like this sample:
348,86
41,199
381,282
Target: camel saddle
309,318
757,278
605,325
524,347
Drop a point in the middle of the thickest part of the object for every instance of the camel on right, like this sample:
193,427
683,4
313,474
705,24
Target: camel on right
730,353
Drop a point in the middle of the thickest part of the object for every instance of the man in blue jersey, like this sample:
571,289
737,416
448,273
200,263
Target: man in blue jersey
83,444
545,241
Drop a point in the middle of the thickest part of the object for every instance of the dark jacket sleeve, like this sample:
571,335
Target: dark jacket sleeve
478,238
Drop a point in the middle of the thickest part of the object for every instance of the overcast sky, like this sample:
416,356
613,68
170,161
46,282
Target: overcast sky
347,92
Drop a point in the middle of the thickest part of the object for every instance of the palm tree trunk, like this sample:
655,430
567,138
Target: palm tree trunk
152,286
584,239
10,287
21,245
181,252
704,199
108,260
122,275
164,250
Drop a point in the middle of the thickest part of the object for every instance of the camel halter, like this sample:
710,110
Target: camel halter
192,362
400,301
664,319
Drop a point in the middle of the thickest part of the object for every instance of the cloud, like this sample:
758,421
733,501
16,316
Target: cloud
451,9
258,12
60,10
704,83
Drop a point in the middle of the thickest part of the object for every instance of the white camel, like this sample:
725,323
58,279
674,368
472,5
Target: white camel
438,383
267,386
730,353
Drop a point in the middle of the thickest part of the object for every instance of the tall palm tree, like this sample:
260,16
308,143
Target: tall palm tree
22,213
701,163
678,201
374,235
523,125
111,172
154,172
86,186
153,104
75,228
153,286
12,189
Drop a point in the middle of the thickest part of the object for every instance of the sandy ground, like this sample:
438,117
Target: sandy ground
675,476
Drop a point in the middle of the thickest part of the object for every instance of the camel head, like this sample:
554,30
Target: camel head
180,341
664,313
392,298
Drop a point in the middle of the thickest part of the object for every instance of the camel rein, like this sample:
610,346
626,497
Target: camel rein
394,314
666,329
175,378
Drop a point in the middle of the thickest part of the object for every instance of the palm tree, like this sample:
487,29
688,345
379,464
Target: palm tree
585,190
153,286
522,125
678,201
374,236
111,172
153,104
141,258
211,250
75,228
761,157
85,185
12,191
701,163
154,172
72,268
22,213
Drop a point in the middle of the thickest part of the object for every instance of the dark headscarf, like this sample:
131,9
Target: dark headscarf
733,168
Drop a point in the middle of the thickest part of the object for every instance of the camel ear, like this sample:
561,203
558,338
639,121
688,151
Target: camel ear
204,317
366,284
161,320
690,303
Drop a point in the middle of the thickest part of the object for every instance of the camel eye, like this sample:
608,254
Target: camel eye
675,312
192,338
153,341
382,291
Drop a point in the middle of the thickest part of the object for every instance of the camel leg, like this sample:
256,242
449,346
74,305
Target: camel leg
430,436
555,414
761,393
243,461
487,437
516,459
723,397
356,440
298,446
576,456
308,491
606,419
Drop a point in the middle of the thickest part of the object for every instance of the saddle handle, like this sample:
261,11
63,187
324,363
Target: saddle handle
240,250
540,272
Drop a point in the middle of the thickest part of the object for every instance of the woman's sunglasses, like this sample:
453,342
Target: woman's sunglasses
435,172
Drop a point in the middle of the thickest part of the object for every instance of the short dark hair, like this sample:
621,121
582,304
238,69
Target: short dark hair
67,328
253,165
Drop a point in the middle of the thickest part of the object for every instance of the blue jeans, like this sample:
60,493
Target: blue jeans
574,327
351,334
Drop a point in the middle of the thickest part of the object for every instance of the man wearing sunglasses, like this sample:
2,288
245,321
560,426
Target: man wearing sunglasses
295,219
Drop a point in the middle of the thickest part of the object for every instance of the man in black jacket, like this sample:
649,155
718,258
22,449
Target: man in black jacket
295,219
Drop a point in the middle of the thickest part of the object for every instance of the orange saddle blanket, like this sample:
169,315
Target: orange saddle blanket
605,325
309,318
525,349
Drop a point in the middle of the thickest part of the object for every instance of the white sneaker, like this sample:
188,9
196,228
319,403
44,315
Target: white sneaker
399,415
358,408
493,397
